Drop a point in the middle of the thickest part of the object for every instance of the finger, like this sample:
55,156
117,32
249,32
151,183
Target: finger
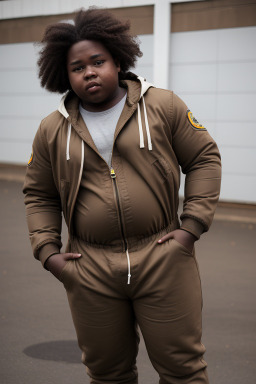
165,238
70,256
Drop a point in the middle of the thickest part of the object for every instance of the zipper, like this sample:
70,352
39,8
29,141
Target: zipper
77,187
113,177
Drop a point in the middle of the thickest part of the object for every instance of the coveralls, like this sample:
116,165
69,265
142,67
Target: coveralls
115,217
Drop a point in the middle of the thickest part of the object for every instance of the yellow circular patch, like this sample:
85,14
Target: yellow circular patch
31,158
193,121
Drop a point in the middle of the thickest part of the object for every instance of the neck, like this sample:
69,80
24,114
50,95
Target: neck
106,104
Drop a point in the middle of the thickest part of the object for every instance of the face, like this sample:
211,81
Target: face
93,75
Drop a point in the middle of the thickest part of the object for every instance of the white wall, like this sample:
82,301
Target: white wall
214,72
23,103
25,8
144,66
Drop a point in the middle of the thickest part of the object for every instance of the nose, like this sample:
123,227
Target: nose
89,73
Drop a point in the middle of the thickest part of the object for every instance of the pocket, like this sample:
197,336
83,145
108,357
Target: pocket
163,168
182,248
65,270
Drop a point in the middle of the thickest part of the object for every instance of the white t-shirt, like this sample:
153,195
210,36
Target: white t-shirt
101,126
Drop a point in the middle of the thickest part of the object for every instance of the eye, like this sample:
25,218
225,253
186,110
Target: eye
78,69
99,62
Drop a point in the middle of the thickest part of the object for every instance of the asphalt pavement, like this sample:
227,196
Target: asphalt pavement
37,338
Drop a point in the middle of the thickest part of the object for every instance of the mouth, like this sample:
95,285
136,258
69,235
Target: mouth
92,87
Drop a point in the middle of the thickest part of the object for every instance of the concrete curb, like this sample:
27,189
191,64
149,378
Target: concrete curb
235,218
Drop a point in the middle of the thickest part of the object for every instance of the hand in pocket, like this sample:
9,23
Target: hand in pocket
183,237
57,262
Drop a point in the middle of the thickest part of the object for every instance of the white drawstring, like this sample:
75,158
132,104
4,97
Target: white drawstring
68,142
147,127
140,129
129,267
82,150
82,160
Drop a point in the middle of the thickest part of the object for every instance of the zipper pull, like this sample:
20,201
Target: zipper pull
112,173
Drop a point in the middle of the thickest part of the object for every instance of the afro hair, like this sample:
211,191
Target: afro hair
92,24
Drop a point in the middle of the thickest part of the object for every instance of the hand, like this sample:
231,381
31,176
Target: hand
57,262
183,237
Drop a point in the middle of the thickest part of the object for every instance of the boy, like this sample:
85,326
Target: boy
109,160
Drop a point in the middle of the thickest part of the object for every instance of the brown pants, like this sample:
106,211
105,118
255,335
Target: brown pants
163,298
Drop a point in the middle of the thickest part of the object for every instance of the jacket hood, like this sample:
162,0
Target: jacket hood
139,87
144,86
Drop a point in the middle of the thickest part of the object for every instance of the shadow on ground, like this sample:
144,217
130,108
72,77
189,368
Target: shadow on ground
65,351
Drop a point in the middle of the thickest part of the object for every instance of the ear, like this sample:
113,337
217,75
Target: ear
117,63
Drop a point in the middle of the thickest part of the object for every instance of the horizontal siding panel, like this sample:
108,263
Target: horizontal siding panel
238,161
17,56
19,81
236,108
193,47
146,72
214,14
147,48
237,44
28,106
237,77
199,78
236,134
185,16
238,188
22,130
29,29
203,106
15,152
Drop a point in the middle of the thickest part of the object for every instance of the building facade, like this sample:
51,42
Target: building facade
205,51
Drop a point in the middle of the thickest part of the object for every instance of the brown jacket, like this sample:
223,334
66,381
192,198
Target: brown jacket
138,198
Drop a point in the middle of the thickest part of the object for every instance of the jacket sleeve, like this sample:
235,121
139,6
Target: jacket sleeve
42,201
199,158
